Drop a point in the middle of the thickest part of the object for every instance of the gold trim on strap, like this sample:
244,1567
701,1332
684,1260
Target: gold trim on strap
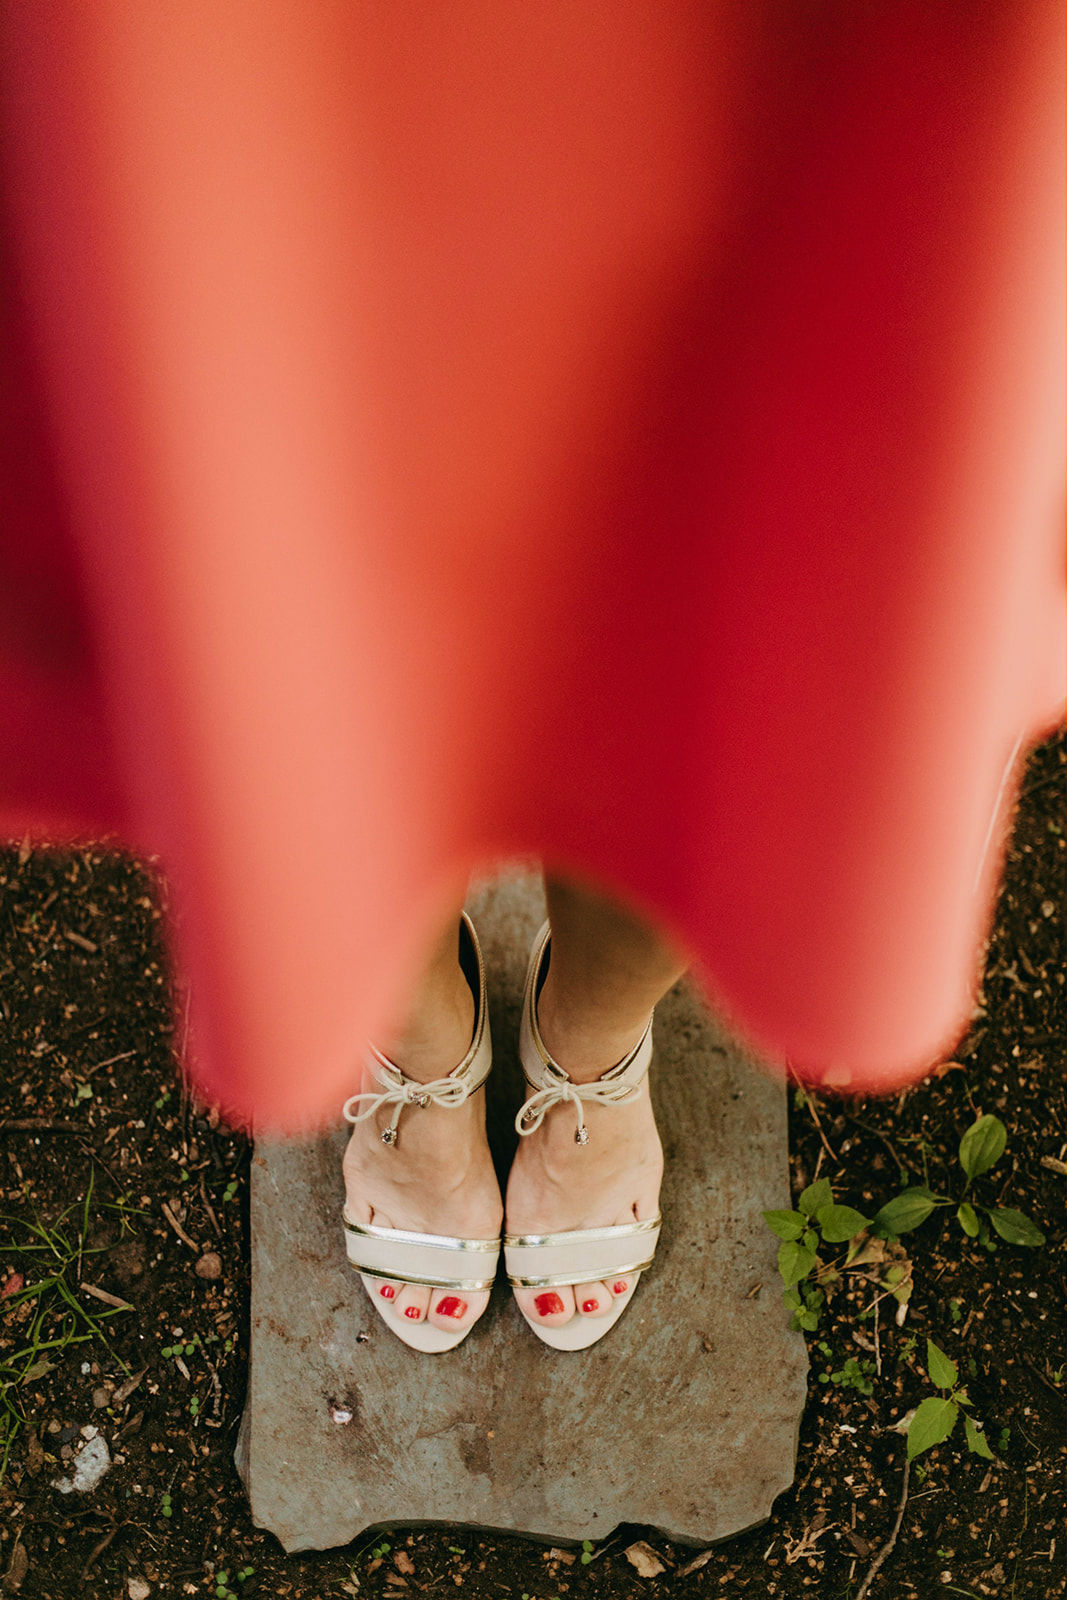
401,1236
393,1276
580,1236
561,1280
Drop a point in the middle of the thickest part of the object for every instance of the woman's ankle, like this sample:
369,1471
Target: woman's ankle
585,1045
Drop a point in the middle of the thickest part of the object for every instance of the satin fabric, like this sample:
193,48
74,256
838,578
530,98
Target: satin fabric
628,433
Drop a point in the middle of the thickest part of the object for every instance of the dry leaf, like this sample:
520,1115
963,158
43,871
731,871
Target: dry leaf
17,1568
697,1562
644,1560
807,1544
34,1453
124,1391
403,1562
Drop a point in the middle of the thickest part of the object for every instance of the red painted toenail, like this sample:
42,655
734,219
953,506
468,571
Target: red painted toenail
548,1305
590,1305
413,1312
451,1307
619,1288
387,1291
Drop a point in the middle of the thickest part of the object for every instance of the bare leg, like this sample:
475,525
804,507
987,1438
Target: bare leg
439,1177
608,970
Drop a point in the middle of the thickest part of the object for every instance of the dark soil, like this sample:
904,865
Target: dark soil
128,1313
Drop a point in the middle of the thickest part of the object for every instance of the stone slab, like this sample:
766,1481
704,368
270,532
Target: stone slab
685,1417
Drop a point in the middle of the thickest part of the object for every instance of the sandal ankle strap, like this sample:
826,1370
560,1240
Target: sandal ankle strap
400,1091
552,1085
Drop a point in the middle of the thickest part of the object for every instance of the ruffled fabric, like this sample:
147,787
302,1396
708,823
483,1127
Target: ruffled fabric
627,433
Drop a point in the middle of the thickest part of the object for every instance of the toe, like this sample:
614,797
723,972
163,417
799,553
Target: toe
619,1288
382,1290
412,1303
593,1299
455,1309
553,1307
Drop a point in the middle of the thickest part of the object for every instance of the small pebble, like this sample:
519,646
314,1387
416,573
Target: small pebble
209,1265
91,1465
137,1589
101,1398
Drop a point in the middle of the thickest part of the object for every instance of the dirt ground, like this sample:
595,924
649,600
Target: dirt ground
124,1298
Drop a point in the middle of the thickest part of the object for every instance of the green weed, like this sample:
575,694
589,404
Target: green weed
936,1416
51,1257
980,1149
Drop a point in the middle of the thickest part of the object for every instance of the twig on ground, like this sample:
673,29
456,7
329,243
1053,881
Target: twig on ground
809,1101
1036,1370
179,1230
905,1166
38,1125
877,1345
875,1565
1052,1165
216,1394
108,1299
110,1062
212,1218
98,1549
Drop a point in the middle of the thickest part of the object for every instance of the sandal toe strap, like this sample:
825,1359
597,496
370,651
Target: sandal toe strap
432,1259
585,1255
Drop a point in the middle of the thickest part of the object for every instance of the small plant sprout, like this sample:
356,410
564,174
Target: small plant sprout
980,1148
818,1220
587,1552
857,1373
935,1417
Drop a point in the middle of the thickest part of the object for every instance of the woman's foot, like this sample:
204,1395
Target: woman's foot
558,1185
437,1177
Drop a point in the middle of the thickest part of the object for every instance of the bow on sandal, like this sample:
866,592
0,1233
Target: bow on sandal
582,1255
436,1260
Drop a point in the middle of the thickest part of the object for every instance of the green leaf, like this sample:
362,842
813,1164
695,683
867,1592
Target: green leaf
905,1211
932,1423
815,1196
982,1145
839,1223
943,1371
786,1224
977,1443
794,1262
1015,1228
968,1219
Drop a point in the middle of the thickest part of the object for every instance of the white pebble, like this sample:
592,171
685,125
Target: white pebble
89,1468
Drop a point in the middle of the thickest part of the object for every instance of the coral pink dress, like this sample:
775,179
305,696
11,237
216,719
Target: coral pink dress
628,432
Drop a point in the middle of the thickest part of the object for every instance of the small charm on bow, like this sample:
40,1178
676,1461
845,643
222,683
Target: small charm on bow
581,1134
389,1136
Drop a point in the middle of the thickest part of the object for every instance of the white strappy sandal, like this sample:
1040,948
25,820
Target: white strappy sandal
584,1255
431,1259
